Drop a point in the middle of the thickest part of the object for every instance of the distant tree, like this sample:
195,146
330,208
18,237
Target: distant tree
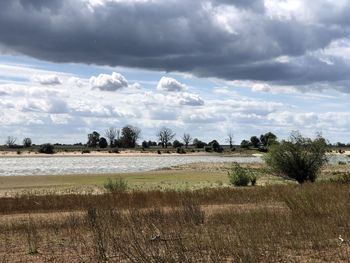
117,143
102,143
255,141
150,143
268,139
145,144
93,139
230,138
216,146
340,144
245,144
111,134
27,142
165,135
186,139
10,141
198,143
298,158
129,136
177,144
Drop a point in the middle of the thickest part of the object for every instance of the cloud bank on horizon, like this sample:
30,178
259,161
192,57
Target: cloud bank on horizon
280,48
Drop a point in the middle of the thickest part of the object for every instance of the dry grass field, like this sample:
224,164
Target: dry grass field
276,221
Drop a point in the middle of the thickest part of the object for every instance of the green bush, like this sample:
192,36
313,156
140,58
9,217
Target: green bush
117,185
298,158
85,151
47,148
239,176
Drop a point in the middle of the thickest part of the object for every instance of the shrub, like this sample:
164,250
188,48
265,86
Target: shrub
159,152
208,149
115,150
220,149
239,176
298,158
85,151
253,178
47,148
180,150
342,179
116,186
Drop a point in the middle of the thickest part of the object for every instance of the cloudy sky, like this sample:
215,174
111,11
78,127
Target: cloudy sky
68,67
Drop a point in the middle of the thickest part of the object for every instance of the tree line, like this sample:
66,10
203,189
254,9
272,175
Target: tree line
261,142
128,137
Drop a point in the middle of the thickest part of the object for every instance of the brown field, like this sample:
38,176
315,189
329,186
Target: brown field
276,221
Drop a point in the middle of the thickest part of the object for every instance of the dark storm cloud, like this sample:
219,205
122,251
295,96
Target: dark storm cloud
183,36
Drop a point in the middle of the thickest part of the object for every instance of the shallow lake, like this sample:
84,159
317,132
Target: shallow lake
53,165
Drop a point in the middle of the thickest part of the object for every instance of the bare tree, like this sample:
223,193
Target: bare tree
111,134
165,135
187,139
10,141
230,138
27,142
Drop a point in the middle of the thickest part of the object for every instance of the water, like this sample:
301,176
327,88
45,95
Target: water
53,165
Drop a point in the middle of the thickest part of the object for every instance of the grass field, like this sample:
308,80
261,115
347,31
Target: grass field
185,177
181,214
276,223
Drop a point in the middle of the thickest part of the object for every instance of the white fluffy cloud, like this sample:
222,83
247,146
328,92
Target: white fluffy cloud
191,100
46,112
47,79
105,82
170,84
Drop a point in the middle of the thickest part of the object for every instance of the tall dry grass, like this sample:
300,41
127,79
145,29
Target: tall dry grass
257,224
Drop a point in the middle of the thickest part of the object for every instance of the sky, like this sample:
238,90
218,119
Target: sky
204,67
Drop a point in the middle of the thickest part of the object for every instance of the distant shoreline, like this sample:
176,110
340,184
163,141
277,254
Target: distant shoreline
133,153
127,153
